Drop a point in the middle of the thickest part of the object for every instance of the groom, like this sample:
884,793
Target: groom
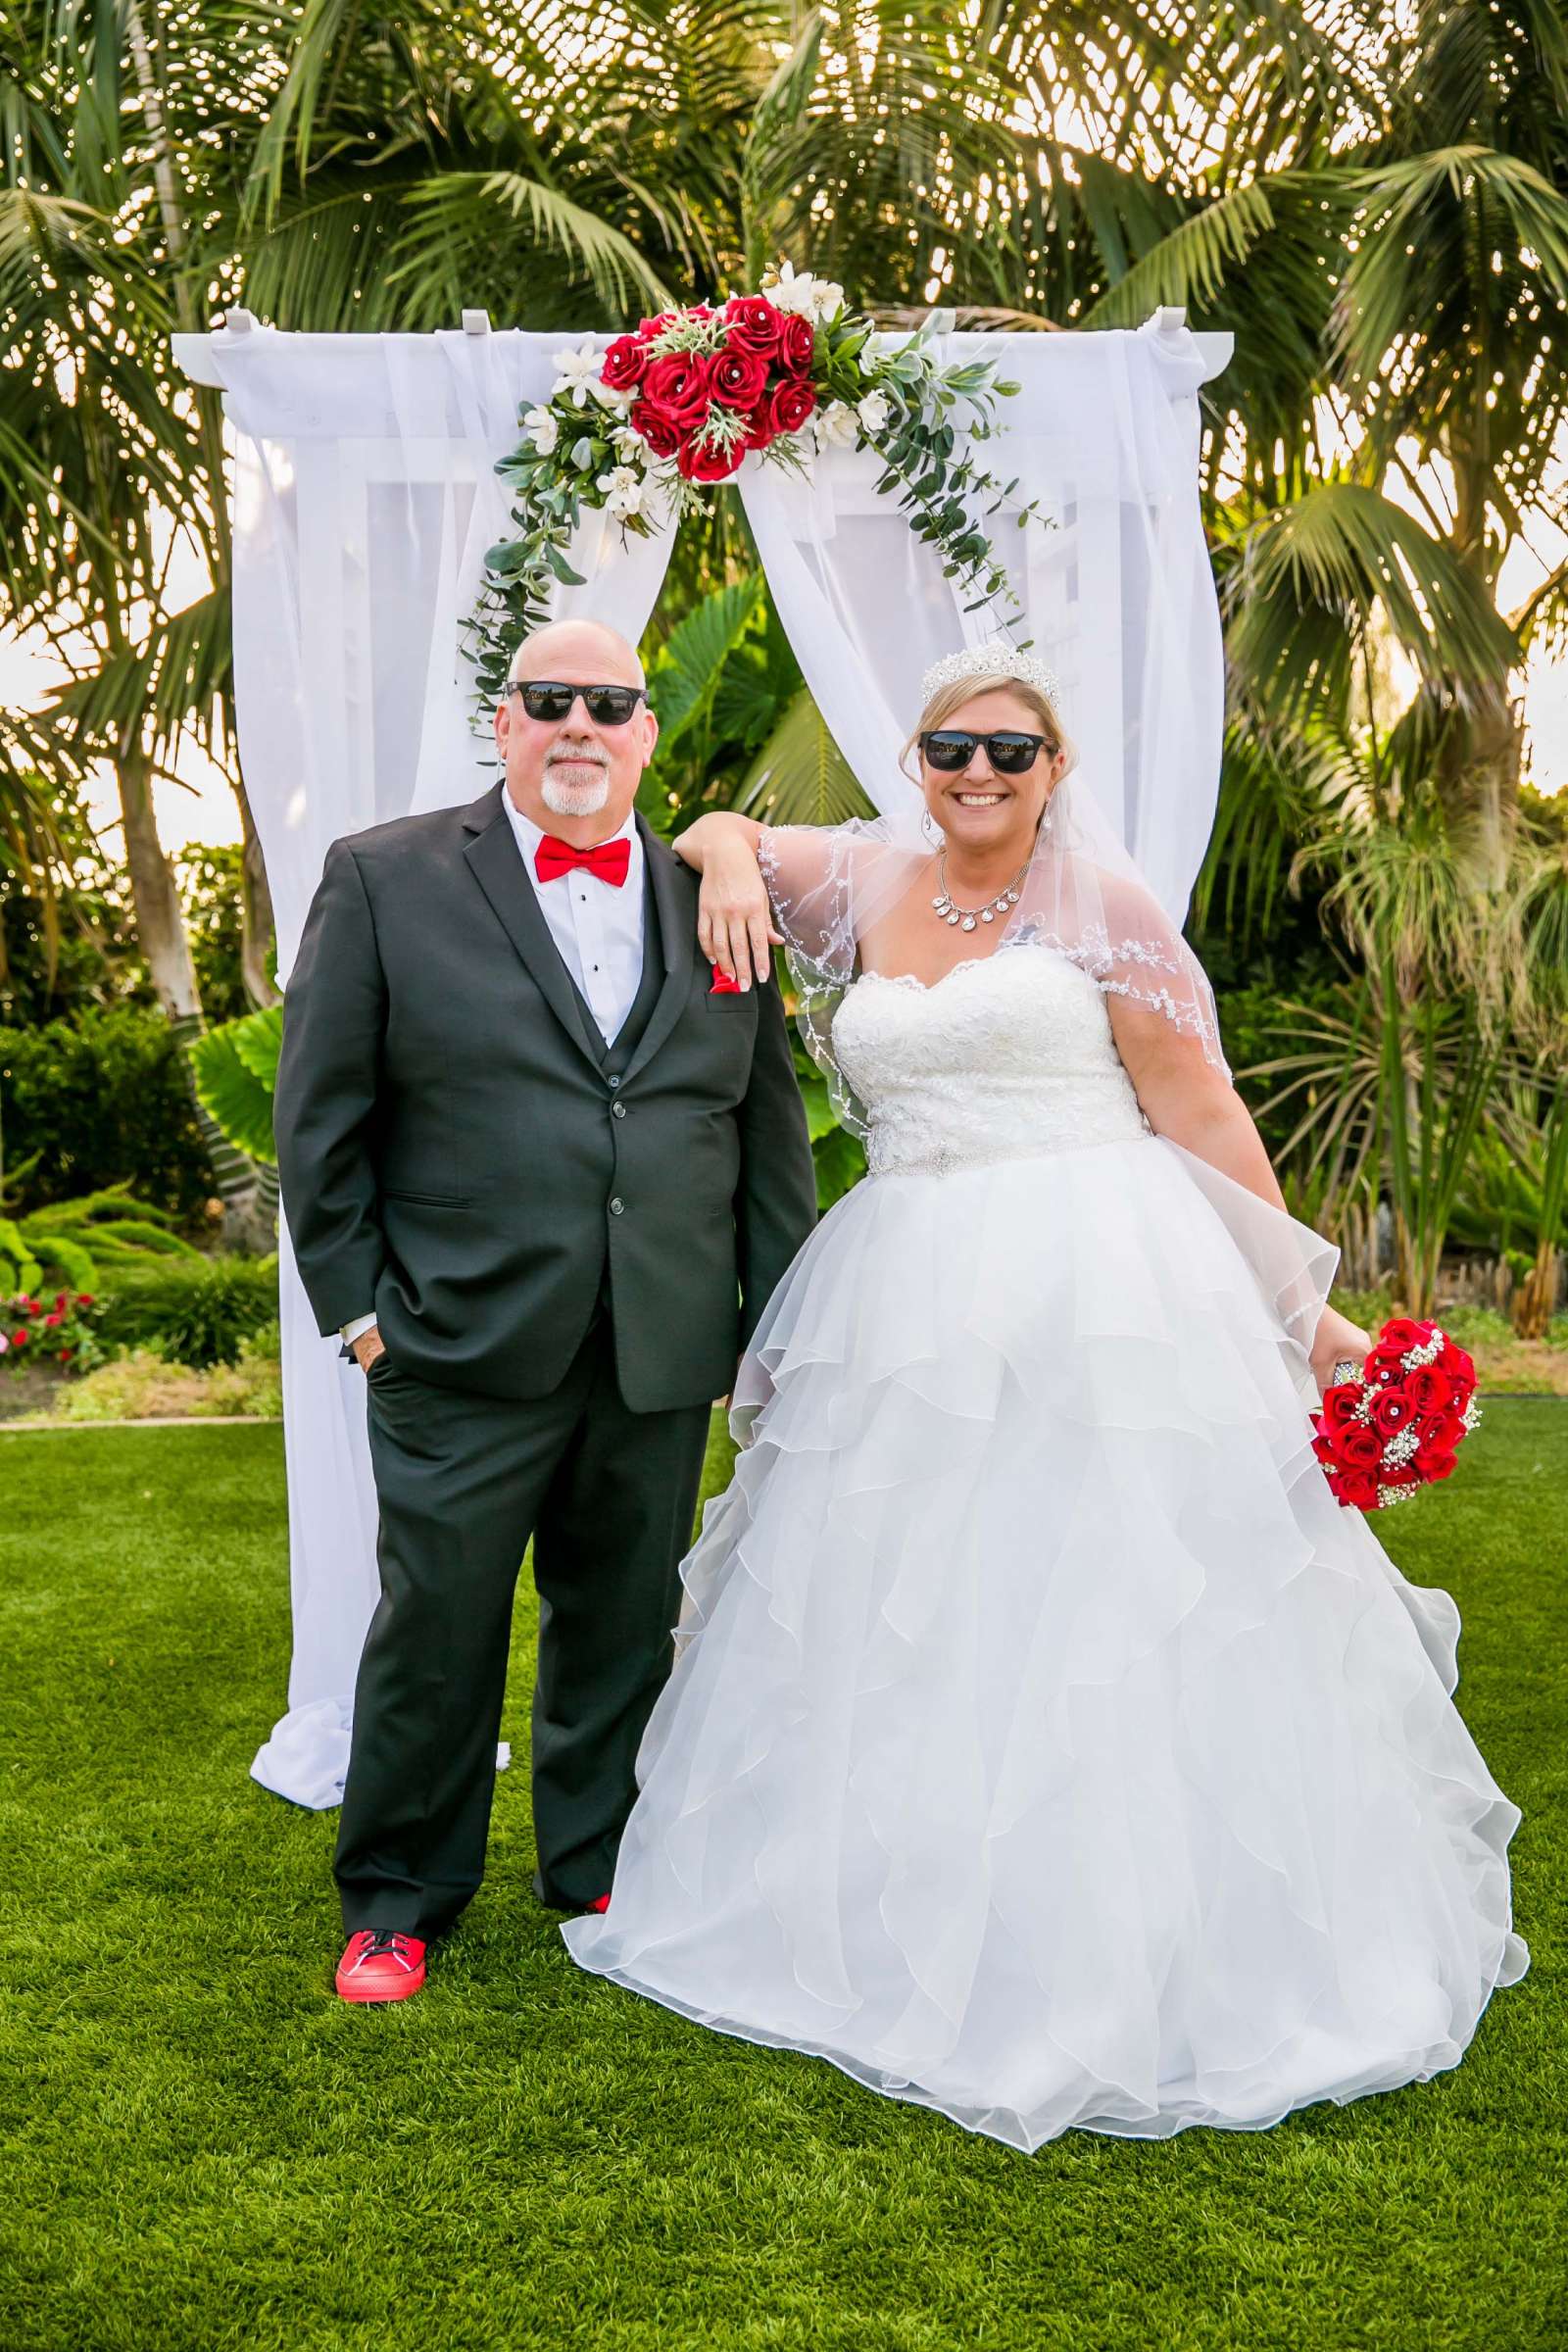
543,1177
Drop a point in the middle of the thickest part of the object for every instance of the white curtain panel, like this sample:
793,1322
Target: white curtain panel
365,496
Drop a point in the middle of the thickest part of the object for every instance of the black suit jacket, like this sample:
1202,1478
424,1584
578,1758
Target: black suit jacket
454,1154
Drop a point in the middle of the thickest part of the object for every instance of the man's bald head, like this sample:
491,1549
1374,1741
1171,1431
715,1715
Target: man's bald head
577,775
588,653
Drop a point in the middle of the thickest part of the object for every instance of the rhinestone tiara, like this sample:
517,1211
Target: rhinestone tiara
999,658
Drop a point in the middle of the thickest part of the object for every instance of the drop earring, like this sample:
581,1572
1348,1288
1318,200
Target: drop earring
931,832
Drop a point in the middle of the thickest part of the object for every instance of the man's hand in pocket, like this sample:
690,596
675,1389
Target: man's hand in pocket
367,1347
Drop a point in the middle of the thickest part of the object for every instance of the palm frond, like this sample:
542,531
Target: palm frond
1311,577
800,777
1193,262
462,222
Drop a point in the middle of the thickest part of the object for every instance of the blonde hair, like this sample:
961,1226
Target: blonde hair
952,696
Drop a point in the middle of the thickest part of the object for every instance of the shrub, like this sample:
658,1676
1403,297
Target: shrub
141,1386
97,1101
57,1330
198,1312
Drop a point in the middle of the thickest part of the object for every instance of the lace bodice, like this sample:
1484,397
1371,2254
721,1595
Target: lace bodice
1008,1056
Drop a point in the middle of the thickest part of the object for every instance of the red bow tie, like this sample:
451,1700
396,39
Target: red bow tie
610,860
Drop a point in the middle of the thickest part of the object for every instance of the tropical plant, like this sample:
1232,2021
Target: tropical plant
236,1077
81,1243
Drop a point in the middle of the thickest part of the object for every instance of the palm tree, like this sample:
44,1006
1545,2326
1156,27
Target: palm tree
100,463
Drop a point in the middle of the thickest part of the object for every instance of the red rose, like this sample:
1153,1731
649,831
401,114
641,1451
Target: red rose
1437,1466
1459,1366
1357,1446
648,328
737,377
1428,1389
1403,1332
797,343
29,1306
702,461
660,432
1391,1412
624,362
753,324
678,387
1440,1433
1382,1365
790,405
1357,1490
1339,1402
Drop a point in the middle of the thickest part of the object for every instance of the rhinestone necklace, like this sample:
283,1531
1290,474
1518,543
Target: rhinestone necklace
966,917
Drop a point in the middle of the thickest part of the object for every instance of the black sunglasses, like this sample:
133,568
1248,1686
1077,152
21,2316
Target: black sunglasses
552,698
950,749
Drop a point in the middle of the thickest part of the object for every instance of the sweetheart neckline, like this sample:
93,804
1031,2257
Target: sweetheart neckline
964,963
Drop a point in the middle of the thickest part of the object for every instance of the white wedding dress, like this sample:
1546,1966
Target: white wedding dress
1044,1744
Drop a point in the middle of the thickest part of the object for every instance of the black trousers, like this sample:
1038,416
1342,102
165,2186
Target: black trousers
608,1498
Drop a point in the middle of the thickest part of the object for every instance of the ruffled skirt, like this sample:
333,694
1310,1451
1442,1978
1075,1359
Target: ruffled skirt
1044,1744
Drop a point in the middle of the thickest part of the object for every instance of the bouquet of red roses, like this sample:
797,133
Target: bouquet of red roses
707,385
1395,1427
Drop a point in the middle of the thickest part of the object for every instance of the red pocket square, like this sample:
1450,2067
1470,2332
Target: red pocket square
723,984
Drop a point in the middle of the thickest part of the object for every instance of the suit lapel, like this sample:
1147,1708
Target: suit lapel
492,853
677,938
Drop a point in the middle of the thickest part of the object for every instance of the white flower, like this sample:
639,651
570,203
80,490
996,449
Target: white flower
619,480
612,396
542,430
627,443
628,501
792,290
826,298
836,427
873,412
577,374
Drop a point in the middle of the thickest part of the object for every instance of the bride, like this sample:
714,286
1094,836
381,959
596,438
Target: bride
1044,1744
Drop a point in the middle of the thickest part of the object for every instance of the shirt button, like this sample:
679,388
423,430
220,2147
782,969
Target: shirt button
617,1206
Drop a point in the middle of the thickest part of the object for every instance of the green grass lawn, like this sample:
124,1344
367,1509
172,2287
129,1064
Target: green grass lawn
206,2150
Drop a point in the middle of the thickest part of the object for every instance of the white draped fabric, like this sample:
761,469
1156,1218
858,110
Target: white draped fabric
364,498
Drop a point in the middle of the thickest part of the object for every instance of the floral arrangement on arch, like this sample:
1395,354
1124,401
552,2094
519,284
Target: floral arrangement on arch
644,428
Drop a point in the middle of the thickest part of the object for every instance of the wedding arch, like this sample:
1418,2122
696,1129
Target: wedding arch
365,499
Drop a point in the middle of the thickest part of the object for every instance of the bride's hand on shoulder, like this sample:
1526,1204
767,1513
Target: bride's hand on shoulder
735,926
1337,1341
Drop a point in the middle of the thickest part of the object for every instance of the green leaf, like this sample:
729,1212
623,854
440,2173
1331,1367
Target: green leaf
801,778
235,1095
682,685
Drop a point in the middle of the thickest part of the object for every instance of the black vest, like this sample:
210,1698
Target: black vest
613,1058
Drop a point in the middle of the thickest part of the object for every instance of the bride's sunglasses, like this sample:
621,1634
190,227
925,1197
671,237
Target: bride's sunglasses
552,699
950,749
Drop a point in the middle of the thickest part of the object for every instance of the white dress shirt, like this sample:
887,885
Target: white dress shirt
597,929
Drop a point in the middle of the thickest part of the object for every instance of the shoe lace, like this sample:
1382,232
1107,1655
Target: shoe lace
383,1943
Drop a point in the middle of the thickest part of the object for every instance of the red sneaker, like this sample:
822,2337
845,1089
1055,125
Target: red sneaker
380,1965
